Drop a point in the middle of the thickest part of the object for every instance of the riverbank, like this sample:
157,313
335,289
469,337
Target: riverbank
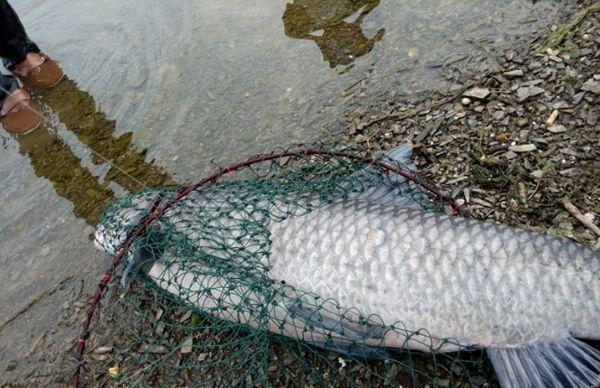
517,143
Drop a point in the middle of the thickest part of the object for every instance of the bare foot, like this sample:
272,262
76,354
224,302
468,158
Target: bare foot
32,61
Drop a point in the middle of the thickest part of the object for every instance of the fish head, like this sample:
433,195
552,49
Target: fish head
121,218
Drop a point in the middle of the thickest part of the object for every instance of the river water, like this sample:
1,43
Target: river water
162,89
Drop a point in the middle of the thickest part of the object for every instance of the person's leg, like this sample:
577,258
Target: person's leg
14,42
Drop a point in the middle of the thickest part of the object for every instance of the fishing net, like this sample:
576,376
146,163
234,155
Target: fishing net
197,303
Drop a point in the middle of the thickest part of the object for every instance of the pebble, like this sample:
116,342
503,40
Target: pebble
156,349
552,117
591,85
103,350
513,73
578,97
12,365
523,93
478,93
465,101
45,251
537,174
522,148
557,128
187,346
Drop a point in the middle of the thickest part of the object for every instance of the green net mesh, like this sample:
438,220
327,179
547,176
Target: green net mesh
197,304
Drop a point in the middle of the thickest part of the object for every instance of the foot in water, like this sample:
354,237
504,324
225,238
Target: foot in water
19,113
39,70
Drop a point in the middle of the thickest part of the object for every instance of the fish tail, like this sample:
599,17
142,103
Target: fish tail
565,362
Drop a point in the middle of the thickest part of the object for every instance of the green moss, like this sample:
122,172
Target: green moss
566,32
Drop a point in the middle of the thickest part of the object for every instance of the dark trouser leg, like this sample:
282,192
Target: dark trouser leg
8,84
14,45
14,42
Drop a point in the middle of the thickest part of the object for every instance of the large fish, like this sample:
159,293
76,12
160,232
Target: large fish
456,282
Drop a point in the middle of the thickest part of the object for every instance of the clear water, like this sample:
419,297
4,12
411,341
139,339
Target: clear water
163,88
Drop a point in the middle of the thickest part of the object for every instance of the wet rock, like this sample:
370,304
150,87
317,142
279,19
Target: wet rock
522,148
477,93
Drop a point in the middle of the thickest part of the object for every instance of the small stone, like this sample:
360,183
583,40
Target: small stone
556,59
513,73
45,251
578,97
522,148
498,115
156,349
187,346
523,93
591,85
12,365
502,138
443,383
552,118
586,37
522,122
202,356
465,101
538,174
478,93
413,52
103,350
510,155
113,371
557,128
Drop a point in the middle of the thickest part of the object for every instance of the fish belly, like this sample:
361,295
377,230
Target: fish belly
477,282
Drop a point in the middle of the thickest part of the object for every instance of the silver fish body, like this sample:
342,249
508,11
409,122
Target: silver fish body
480,283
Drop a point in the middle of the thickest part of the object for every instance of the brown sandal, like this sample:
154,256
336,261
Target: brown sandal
19,114
45,75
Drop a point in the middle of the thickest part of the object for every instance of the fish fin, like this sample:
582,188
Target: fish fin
337,325
353,349
395,189
147,251
332,332
565,362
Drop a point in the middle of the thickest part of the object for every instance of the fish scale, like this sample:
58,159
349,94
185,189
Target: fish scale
458,278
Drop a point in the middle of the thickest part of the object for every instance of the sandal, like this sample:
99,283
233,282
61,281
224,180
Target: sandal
19,114
45,75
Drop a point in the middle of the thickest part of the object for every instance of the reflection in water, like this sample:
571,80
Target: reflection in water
341,41
53,159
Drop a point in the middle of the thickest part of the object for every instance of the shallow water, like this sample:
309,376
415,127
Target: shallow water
161,88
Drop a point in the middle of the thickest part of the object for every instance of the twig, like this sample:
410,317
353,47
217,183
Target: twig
577,214
33,302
